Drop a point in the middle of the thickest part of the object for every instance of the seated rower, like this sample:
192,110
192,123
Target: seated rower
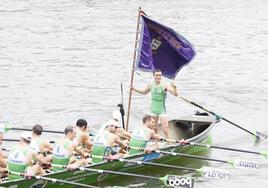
63,152
3,161
82,138
20,159
39,145
104,142
122,133
141,136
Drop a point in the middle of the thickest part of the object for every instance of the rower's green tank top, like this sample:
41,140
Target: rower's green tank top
100,149
17,162
60,156
35,144
158,96
137,140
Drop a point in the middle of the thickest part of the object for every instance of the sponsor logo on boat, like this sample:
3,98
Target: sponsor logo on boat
209,172
39,184
244,164
104,175
176,181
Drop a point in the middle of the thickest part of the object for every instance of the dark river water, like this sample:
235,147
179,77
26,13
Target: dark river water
61,60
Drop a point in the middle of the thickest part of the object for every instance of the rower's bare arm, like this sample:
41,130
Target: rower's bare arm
3,155
34,155
120,142
87,141
141,91
79,151
123,133
172,88
47,146
127,134
156,136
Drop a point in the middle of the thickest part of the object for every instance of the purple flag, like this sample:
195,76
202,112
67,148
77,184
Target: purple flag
162,48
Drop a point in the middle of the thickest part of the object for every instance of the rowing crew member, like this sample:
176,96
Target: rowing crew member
122,133
141,136
39,145
20,159
82,138
3,161
158,91
105,140
63,152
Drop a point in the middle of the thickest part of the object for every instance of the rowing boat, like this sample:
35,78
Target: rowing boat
194,128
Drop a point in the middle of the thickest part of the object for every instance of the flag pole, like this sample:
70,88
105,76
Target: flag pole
133,67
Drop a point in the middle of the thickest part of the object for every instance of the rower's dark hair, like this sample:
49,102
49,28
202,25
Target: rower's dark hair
146,118
68,129
37,129
81,123
156,70
26,141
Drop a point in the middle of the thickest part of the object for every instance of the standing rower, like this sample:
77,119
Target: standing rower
142,135
158,91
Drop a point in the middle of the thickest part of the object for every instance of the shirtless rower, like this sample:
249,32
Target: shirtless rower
122,133
142,135
82,138
63,152
39,145
104,142
20,159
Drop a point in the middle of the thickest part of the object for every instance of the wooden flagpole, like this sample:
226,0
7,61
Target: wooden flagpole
133,66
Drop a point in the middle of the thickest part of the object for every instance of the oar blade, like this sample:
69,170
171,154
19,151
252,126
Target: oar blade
178,181
3,128
245,164
260,135
214,173
265,154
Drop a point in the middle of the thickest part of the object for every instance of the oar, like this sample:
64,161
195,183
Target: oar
5,128
54,180
184,142
17,140
168,180
207,172
236,163
258,134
